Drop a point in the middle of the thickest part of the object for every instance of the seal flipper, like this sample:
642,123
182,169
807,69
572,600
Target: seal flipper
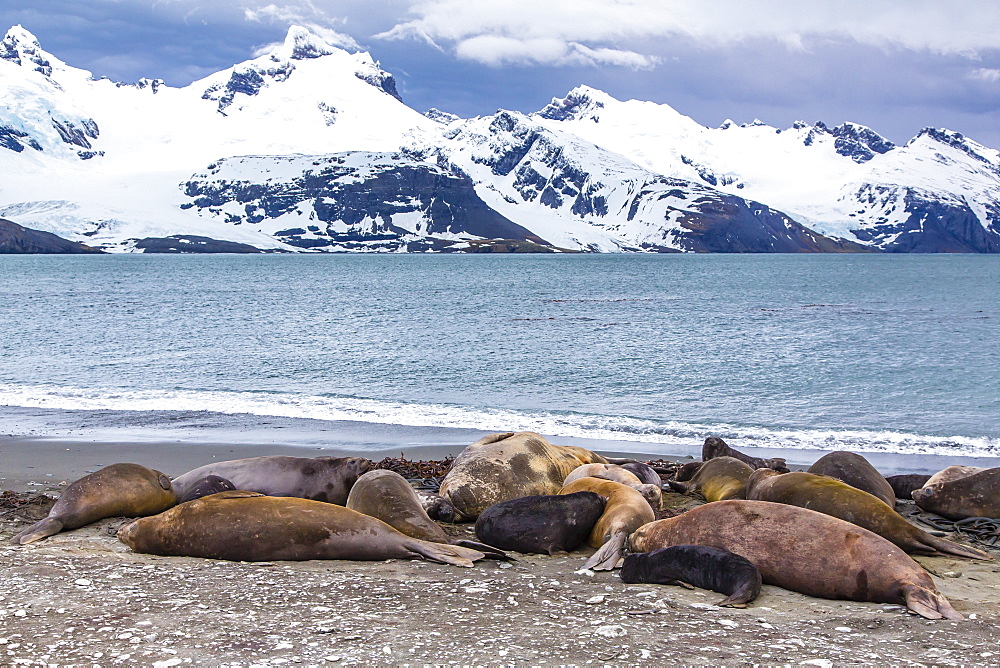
680,487
608,555
444,554
746,593
50,526
943,545
489,551
929,604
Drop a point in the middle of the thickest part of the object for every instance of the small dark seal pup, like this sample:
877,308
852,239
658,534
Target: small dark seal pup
699,565
903,485
716,447
211,484
546,524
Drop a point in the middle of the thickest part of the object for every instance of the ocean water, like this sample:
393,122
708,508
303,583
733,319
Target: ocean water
872,353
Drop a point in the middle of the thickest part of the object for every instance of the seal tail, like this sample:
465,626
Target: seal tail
37,531
488,551
950,547
928,603
609,554
441,553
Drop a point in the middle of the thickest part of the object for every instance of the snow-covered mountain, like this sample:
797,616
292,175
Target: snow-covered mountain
309,148
938,193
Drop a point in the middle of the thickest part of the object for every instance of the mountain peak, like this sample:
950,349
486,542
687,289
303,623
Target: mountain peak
301,43
21,47
578,103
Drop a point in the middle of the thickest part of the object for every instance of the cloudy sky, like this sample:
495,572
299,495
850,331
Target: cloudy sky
894,65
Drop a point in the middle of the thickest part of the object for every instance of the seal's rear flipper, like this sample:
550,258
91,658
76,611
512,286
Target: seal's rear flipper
607,557
747,592
929,604
951,547
489,551
37,531
445,554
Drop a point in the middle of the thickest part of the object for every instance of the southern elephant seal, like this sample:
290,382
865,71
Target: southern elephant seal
385,495
246,526
651,493
715,447
499,467
838,499
625,511
954,472
118,490
644,472
976,495
904,484
317,478
210,484
804,551
698,565
717,479
548,524
856,471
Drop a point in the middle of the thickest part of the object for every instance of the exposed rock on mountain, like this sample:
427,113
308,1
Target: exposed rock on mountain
15,239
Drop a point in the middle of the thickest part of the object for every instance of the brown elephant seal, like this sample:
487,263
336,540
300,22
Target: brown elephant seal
318,478
716,447
387,496
904,484
246,526
718,479
651,493
500,467
697,565
625,511
549,524
838,499
976,495
210,484
954,472
644,472
856,471
687,471
805,551
118,490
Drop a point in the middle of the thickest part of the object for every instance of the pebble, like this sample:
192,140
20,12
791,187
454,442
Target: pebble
594,600
611,631
844,629
83,582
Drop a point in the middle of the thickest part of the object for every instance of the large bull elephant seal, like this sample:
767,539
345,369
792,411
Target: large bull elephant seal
318,478
804,551
976,495
856,471
715,447
385,495
838,499
500,467
625,511
717,479
245,526
698,565
119,490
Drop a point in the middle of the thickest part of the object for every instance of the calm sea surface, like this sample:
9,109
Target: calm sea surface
864,352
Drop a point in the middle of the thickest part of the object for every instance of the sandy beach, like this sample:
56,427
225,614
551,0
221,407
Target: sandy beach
81,597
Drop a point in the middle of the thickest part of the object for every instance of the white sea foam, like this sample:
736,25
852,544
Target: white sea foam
602,427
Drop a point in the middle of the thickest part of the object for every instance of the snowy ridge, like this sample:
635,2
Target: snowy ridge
110,164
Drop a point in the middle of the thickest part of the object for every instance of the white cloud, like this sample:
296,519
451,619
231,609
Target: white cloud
303,14
985,74
573,31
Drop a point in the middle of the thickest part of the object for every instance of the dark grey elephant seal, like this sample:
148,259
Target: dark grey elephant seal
317,478
717,479
716,447
856,471
547,524
387,496
976,495
904,484
119,490
244,526
206,486
500,467
805,551
644,472
699,565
